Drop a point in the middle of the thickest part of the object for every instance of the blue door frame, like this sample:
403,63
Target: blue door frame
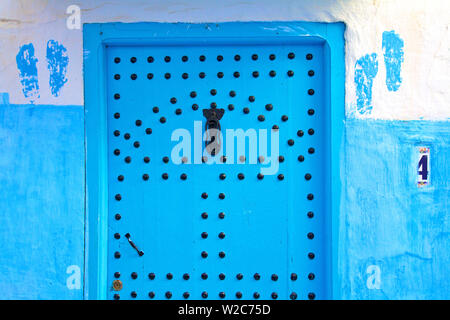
97,37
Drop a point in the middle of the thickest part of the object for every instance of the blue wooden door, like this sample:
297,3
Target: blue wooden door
217,228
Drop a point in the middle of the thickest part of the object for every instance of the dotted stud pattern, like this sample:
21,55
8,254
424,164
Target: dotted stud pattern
215,231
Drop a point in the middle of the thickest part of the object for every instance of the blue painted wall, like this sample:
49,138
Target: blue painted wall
41,200
386,222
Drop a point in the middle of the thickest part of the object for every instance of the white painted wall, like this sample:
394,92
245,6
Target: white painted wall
423,25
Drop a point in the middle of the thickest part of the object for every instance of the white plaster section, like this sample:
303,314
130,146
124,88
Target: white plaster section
423,25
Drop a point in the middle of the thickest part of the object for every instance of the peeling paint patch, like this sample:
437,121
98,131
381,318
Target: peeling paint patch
393,58
27,66
57,59
366,69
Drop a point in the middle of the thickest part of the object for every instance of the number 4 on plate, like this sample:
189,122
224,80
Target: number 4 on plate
423,167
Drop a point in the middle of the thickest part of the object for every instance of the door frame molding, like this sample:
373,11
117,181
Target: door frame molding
98,36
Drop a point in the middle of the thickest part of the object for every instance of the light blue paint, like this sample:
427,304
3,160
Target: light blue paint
98,36
28,75
4,98
386,219
57,59
41,200
393,58
366,69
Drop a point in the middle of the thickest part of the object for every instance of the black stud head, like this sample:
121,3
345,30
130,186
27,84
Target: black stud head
294,276
134,275
151,294
239,276
239,295
151,276
186,295
311,296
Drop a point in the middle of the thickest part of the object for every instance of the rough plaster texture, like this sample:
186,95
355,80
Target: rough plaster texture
386,223
423,26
